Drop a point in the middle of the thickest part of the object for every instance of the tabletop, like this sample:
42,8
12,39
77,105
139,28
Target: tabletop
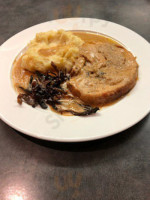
114,168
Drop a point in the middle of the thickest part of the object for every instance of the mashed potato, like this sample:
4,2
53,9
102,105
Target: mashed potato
60,46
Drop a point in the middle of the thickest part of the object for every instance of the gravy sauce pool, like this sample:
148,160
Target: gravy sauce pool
94,37
21,77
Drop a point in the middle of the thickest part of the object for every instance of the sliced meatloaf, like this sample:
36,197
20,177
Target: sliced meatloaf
103,73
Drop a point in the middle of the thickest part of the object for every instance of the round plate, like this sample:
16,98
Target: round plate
45,124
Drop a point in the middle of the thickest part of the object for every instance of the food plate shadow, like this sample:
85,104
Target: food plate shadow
88,146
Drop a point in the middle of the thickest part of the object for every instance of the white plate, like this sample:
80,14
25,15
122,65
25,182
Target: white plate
45,124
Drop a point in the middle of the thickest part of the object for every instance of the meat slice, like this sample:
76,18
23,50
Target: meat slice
107,72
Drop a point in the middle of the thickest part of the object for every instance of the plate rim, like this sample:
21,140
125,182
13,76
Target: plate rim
89,138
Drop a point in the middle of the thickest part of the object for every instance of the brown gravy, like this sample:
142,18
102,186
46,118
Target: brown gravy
91,37
21,77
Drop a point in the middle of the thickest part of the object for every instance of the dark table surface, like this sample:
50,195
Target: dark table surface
115,168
